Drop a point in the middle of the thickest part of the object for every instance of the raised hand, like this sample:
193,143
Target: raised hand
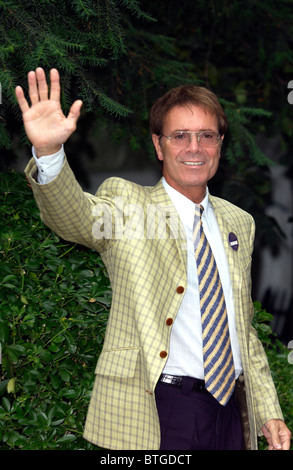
45,124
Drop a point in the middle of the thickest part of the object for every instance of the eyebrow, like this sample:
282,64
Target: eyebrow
188,130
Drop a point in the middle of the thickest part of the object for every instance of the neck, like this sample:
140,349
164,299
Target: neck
195,193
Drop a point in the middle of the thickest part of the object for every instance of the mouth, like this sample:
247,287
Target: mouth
193,163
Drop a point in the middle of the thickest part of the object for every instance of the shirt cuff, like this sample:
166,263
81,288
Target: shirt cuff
49,165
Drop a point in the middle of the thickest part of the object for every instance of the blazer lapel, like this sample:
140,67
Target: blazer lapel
168,212
228,229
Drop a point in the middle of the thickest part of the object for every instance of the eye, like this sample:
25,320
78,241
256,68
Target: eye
179,136
208,135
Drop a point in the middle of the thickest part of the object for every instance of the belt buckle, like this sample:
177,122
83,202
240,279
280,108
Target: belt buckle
171,379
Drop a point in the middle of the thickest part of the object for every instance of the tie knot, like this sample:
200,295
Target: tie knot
198,210
197,227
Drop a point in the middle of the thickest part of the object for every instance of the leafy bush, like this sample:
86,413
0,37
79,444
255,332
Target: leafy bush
54,305
281,368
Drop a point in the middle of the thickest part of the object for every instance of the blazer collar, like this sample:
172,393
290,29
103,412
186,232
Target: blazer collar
165,206
227,227
224,218
160,196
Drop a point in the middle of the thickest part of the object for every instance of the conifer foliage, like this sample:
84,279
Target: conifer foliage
83,39
108,54
118,59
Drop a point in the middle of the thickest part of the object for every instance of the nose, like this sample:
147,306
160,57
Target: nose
194,144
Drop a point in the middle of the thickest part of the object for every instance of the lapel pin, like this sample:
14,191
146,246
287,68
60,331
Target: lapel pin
233,241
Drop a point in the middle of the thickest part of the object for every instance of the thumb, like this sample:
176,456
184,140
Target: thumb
74,112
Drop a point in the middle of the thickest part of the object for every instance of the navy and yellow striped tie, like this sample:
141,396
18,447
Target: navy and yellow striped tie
217,353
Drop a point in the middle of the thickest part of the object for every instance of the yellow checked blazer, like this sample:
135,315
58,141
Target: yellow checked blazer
145,273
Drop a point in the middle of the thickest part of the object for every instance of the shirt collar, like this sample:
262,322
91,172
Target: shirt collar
185,207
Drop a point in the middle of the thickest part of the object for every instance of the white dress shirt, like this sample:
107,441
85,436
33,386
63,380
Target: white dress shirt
185,355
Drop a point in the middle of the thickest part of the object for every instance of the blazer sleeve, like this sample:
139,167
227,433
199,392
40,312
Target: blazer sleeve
266,402
70,212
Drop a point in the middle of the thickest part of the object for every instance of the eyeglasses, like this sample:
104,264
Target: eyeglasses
182,139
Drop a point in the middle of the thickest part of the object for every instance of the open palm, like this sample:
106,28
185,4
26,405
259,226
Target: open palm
45,124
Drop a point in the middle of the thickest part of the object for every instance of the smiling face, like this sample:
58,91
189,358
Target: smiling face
189,169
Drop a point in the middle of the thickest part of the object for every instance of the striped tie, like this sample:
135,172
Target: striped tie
217,353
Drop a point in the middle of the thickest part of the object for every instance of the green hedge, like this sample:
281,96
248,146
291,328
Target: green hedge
54,304
281,368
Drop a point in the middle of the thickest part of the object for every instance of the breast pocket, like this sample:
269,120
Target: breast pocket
118,363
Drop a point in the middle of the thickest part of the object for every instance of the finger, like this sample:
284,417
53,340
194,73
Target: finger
42,84
55,85
285,436
267,435
33,88
276,444
286,445
22,102
275,438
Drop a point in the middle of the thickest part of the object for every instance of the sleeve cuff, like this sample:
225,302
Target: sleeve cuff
48,166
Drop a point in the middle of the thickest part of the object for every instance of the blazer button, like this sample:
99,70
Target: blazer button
169,321
180,290
163,354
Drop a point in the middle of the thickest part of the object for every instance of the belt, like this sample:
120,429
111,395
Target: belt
176,380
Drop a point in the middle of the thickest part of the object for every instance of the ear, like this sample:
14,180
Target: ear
220,145
157,145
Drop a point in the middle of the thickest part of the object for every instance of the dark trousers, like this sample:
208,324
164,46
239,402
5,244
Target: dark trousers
194,420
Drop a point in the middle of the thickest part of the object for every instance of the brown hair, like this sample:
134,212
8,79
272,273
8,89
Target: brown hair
183,96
